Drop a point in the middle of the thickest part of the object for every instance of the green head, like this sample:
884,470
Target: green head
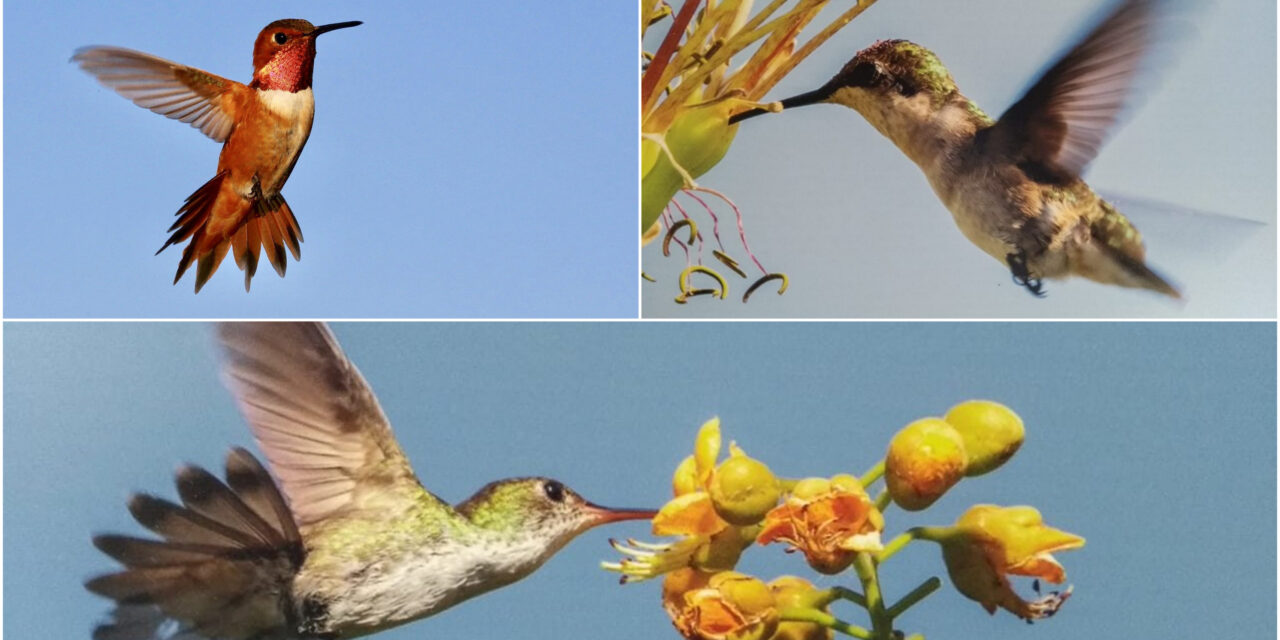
541,508
882,74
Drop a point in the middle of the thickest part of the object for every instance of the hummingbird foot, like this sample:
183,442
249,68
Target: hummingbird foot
1022,275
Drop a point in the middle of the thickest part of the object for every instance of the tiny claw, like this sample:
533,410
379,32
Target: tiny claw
729,262
1022,275
767,278
666,240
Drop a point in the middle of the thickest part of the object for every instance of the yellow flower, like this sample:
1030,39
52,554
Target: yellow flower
992,433
925,459
828,520
988,543
793,592
741,488
721,606
688,89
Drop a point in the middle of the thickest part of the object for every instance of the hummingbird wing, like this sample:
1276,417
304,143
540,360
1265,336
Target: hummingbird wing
1058,126
201,99
315,418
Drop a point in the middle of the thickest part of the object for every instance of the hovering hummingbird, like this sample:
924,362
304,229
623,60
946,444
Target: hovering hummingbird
1013,185
345,541
263,126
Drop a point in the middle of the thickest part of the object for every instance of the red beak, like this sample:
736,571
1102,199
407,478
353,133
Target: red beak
605,515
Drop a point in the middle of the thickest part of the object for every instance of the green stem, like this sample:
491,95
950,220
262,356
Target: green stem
916,595
872,474
881,623
839,593
883,500
806,614
895,545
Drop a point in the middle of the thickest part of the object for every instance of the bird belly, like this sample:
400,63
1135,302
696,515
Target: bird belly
265,145
983,215
365,597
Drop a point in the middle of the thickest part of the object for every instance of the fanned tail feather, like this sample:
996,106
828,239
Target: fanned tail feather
224,565
265,223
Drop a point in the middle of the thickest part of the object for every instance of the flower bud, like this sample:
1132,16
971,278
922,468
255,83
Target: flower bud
793,592
992,433
743,490
925,459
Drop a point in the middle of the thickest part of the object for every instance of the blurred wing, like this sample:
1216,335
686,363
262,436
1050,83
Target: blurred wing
314,417
1065,116
187,94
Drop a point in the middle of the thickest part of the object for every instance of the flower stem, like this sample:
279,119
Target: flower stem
881,623
872,474
840,593
806,614
895,545
883,500
916,595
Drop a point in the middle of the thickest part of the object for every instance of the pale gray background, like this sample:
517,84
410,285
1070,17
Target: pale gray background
854,223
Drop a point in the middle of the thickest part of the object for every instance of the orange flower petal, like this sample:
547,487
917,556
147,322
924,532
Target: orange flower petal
688,515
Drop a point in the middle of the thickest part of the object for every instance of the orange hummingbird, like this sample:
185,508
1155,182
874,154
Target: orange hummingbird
263,126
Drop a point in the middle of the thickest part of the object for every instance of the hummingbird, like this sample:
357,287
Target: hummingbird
344,540
1014,185
263,126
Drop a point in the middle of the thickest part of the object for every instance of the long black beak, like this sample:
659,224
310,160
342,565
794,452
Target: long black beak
811,97
325,28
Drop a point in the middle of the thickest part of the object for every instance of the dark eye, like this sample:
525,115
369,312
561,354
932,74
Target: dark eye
863,74
281,38
554,490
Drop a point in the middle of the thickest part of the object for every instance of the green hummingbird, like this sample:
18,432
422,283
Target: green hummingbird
344,541
1013,185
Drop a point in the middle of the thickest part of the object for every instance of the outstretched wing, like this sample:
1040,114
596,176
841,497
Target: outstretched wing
1065,117
203,100
315,418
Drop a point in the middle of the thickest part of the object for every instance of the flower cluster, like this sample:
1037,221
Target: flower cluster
689,89
722,507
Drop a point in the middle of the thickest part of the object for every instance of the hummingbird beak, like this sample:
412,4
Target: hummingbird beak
820,94
325,28
604,515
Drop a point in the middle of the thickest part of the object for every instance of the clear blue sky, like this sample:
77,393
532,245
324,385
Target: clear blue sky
1154,441
856,226
463,163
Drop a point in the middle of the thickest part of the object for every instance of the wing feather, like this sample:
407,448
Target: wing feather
201,99
314,416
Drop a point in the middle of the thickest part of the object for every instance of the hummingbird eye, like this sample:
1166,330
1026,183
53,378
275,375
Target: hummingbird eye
554,490
281,38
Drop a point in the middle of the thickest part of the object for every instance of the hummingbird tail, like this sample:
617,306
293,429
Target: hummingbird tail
217,219
223,569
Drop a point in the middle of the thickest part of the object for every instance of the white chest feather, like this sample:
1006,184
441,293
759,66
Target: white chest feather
429,580
278,138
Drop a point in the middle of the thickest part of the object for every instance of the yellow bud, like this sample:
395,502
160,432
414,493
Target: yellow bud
847,482
698,138
722,551
992,433
793,592
743,490
750,595
925,458
810,487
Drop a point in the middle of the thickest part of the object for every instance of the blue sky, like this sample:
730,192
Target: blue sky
854,224
1154,441
463,163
